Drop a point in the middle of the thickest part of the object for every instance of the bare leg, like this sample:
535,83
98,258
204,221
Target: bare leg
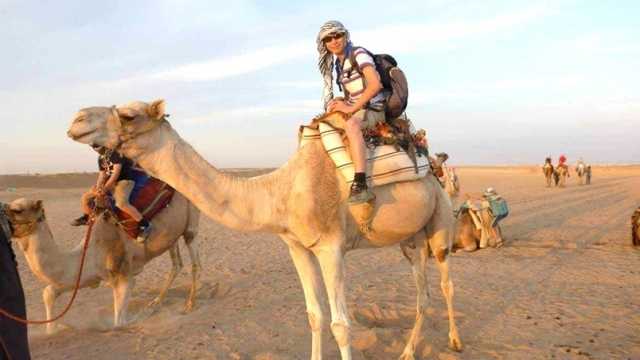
176,266
331,261
310,279
419,269
356,143
121,299
194,255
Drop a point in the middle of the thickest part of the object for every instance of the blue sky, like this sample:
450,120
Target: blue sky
493,82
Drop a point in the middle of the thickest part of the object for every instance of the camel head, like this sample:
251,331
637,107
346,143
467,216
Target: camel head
24,215
112,126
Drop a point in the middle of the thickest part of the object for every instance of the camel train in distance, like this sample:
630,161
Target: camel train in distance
560,173
279,202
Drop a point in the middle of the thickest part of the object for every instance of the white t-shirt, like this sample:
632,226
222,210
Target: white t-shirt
353,84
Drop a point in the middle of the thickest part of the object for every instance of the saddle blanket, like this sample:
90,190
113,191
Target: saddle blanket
149,198
386,164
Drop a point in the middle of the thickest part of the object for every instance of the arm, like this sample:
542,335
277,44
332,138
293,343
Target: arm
113,179
101,179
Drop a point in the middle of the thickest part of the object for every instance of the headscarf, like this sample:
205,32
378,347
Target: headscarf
325,57
562,159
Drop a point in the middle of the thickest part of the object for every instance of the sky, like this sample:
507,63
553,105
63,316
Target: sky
492,82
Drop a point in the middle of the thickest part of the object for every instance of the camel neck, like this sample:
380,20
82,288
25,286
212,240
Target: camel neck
46,260
247,204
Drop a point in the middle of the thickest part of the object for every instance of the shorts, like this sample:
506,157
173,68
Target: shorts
369,117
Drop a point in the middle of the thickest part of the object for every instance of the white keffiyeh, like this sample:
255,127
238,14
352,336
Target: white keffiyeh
325,58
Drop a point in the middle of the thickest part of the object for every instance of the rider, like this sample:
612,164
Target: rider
14,342
363,101
116,176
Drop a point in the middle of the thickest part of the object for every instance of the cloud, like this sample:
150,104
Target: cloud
430,37
254,113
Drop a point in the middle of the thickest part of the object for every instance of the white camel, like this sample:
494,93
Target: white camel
304,202
106,259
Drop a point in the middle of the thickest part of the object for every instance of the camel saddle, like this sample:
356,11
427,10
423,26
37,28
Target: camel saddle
386,164
150,198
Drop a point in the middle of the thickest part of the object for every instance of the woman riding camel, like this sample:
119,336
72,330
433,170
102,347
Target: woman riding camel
363,98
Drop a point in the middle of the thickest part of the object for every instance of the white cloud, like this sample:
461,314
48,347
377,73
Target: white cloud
253,113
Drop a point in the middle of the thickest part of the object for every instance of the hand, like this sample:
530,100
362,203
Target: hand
338,105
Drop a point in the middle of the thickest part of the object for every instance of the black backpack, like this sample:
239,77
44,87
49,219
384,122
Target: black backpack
393,81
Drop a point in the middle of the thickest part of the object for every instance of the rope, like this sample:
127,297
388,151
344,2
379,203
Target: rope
87,237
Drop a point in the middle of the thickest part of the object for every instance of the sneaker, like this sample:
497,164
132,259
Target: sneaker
360,194
82,220
144,233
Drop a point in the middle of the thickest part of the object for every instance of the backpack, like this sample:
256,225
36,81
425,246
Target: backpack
393,81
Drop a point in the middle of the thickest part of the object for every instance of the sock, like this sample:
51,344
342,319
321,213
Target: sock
360,178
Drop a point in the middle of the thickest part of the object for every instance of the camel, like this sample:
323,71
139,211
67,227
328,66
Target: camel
635,227
106,256
469,238
548,170
562,173
581,170
451,181
304,202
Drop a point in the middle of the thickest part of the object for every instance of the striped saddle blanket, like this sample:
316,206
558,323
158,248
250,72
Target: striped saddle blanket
386,164
149,197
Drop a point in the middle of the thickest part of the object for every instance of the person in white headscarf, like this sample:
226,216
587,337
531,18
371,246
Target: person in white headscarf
364,98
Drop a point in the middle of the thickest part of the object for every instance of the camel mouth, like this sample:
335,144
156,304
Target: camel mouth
78,137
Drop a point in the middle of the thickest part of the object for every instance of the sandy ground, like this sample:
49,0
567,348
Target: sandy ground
565,286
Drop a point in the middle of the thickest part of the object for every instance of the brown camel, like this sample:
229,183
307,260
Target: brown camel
467,235
106,259
304,202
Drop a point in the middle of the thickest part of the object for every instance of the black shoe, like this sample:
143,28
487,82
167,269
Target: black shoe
360,193
82,220
144,233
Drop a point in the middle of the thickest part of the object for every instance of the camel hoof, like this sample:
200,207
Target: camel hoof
407,356
188,307
455,344
55,328
155,302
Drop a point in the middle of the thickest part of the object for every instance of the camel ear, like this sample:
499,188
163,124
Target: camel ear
156,110
38,205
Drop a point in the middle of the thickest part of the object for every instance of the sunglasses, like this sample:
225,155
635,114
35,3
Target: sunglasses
334,36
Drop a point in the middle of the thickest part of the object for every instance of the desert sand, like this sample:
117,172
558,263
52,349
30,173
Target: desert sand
566,285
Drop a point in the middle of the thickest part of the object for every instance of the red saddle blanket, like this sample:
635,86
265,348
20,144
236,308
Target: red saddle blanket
154,196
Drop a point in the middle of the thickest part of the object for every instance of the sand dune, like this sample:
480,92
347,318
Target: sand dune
565,286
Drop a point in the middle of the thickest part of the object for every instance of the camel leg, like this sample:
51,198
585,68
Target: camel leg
447,290
194,255
176,266
49,296
331,259
419,269
310,279
121,294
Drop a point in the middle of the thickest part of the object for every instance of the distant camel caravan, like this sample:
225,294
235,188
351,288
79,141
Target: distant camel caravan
106,256
304,202
548,171
635,228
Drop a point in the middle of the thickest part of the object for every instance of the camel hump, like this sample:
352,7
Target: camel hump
386,164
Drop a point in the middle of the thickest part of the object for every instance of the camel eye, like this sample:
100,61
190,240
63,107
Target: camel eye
18,211
127,118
